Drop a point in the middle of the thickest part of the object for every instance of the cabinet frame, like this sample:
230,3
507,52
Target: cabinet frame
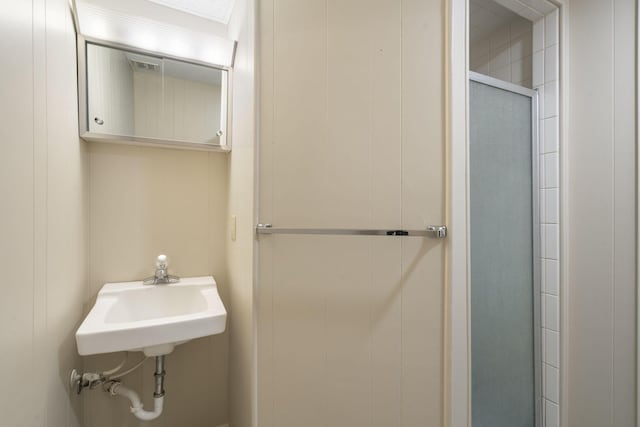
83,125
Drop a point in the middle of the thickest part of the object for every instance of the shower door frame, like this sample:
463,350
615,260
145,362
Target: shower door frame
457,335
536,233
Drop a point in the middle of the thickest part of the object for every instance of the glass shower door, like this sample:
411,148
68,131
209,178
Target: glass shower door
504,279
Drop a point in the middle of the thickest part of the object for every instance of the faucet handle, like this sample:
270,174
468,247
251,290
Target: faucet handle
161,275
162,262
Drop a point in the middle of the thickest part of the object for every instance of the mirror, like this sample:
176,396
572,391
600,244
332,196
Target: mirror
154,99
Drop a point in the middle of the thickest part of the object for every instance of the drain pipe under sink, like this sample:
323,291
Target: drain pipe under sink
136,405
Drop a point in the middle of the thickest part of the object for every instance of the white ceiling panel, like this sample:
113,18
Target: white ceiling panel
215,10
154,36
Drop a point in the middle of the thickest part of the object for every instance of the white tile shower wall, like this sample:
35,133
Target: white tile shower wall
551,383
505,54
546,75
552,412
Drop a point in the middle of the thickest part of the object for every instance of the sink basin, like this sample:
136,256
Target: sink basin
130,316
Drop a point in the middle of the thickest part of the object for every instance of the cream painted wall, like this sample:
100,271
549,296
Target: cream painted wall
76,216
43,216
241,205
147,201
350,329
143,202
600,387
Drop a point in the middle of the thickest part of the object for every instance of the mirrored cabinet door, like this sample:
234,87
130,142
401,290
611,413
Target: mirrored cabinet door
192,100
147,97
110,91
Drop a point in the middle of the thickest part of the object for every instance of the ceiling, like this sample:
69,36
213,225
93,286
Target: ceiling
150,10
486,16
146,25
214,10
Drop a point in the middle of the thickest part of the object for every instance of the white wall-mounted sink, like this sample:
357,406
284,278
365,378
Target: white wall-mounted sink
130,316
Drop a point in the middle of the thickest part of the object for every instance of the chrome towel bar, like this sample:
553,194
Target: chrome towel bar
435,231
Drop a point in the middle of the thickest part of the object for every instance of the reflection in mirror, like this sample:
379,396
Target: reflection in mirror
132,94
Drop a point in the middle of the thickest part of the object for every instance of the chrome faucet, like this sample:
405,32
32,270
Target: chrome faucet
162,276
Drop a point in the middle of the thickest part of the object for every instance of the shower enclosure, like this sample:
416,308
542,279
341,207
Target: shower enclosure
504,254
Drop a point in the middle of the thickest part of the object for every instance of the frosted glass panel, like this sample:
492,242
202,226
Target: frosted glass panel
502,278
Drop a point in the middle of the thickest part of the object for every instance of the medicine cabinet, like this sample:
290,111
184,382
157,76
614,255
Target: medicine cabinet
137,97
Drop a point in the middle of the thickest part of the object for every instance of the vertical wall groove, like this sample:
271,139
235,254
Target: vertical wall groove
613,209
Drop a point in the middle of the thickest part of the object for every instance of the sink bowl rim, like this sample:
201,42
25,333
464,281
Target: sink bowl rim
110,292
203,322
